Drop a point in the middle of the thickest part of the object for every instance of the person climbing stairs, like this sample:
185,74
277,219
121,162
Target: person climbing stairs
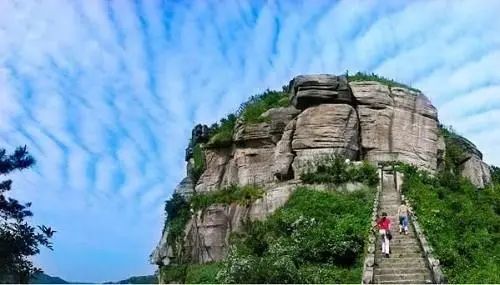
406,264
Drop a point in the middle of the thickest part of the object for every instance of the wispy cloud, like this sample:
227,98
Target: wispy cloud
105,93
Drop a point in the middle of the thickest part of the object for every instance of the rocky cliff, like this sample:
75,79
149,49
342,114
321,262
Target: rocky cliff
327,114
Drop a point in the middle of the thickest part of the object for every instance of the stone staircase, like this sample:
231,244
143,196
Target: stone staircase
406,264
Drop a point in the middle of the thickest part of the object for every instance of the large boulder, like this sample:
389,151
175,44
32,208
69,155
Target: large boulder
311,90
477,171
323,130
396,124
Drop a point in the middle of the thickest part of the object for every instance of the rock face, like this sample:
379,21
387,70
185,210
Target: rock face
396,124
477,171
364,120
310,90
473,167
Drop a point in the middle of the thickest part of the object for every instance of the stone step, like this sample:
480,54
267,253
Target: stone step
406,282
399,251
400,255
401,270
403,242
384,262
403,248
401,277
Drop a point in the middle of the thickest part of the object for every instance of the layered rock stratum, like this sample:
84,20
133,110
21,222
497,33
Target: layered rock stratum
362,120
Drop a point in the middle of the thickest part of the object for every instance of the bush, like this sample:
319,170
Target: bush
313,230
252,110
361,76
221,135
335,170
202,273
495,175
461,223
173,273
199,162
177,211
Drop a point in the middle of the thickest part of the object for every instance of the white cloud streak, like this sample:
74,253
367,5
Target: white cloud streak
105,94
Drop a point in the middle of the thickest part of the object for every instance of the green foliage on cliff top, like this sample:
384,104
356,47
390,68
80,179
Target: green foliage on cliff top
252,110
317,237
221,134
361,76
335,170
461,222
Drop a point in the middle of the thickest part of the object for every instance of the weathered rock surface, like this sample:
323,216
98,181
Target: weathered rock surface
216,161
283,154
396,124
477,171
329,116
328,126
310,90
209,233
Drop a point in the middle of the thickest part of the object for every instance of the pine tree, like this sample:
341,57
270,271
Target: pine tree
18,239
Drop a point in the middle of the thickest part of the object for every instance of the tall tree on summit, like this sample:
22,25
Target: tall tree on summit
18,239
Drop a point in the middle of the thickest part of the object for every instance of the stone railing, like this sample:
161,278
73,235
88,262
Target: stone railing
432,262
368,265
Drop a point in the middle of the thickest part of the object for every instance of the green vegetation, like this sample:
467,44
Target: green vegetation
335,170
221,134
252,110
178,210
455,150
243,195
199,162
173,273
495,175
19,240
190,274
202,273
317,237
361,76
461,222
178,214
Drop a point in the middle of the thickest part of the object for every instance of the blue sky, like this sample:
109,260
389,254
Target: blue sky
105,93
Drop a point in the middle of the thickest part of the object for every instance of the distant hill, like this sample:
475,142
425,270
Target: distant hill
147,279
43,278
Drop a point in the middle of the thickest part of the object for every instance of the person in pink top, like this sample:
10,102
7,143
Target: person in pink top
384,227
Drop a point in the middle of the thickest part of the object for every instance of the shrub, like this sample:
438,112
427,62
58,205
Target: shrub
173,273
495,175
202,273
461,222
313,230
336,170
221,135
199,162
361,76
177,211
252,110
